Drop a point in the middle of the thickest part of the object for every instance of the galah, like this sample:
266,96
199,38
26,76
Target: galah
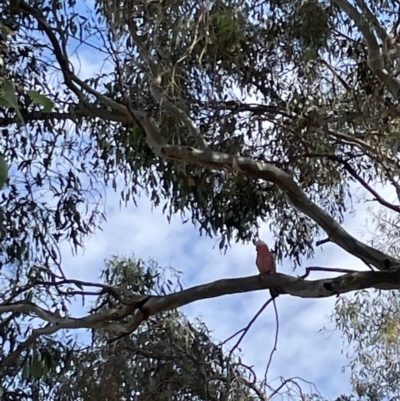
265,259
265,262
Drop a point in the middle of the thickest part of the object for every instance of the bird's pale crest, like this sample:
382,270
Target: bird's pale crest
260,244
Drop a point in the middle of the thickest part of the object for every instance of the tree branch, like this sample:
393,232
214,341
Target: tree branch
128,317
274,349
375,59
378,198
177,112
268,172
151,305
373,20
247,328
325,269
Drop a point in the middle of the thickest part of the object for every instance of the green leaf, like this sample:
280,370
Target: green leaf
36,368
8,95
42,100
25,372
3,102
5,30
3,171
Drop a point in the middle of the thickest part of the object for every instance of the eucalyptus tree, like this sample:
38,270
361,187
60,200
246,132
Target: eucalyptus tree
231,113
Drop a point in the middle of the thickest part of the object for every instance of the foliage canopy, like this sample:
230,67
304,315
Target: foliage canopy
232,113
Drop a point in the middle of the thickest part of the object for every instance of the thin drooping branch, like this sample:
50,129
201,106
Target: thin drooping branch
10,359
275,348
58,49
378,198
247,328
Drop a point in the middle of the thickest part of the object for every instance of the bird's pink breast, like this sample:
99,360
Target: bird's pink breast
265,261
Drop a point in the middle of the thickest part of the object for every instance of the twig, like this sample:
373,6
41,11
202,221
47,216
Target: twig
247,328
378,198
326,269
322,242
232,336
369,266
275,343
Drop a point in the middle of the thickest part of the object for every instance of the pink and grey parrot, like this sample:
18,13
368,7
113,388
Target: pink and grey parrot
265,262
265,259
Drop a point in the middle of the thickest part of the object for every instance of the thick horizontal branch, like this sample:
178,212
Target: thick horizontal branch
128,317
282,283
76,112
285,284
147,305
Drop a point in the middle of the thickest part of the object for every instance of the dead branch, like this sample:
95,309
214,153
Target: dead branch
275,343
247,328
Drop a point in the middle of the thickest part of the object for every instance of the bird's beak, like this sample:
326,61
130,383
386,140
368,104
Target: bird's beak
254,241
